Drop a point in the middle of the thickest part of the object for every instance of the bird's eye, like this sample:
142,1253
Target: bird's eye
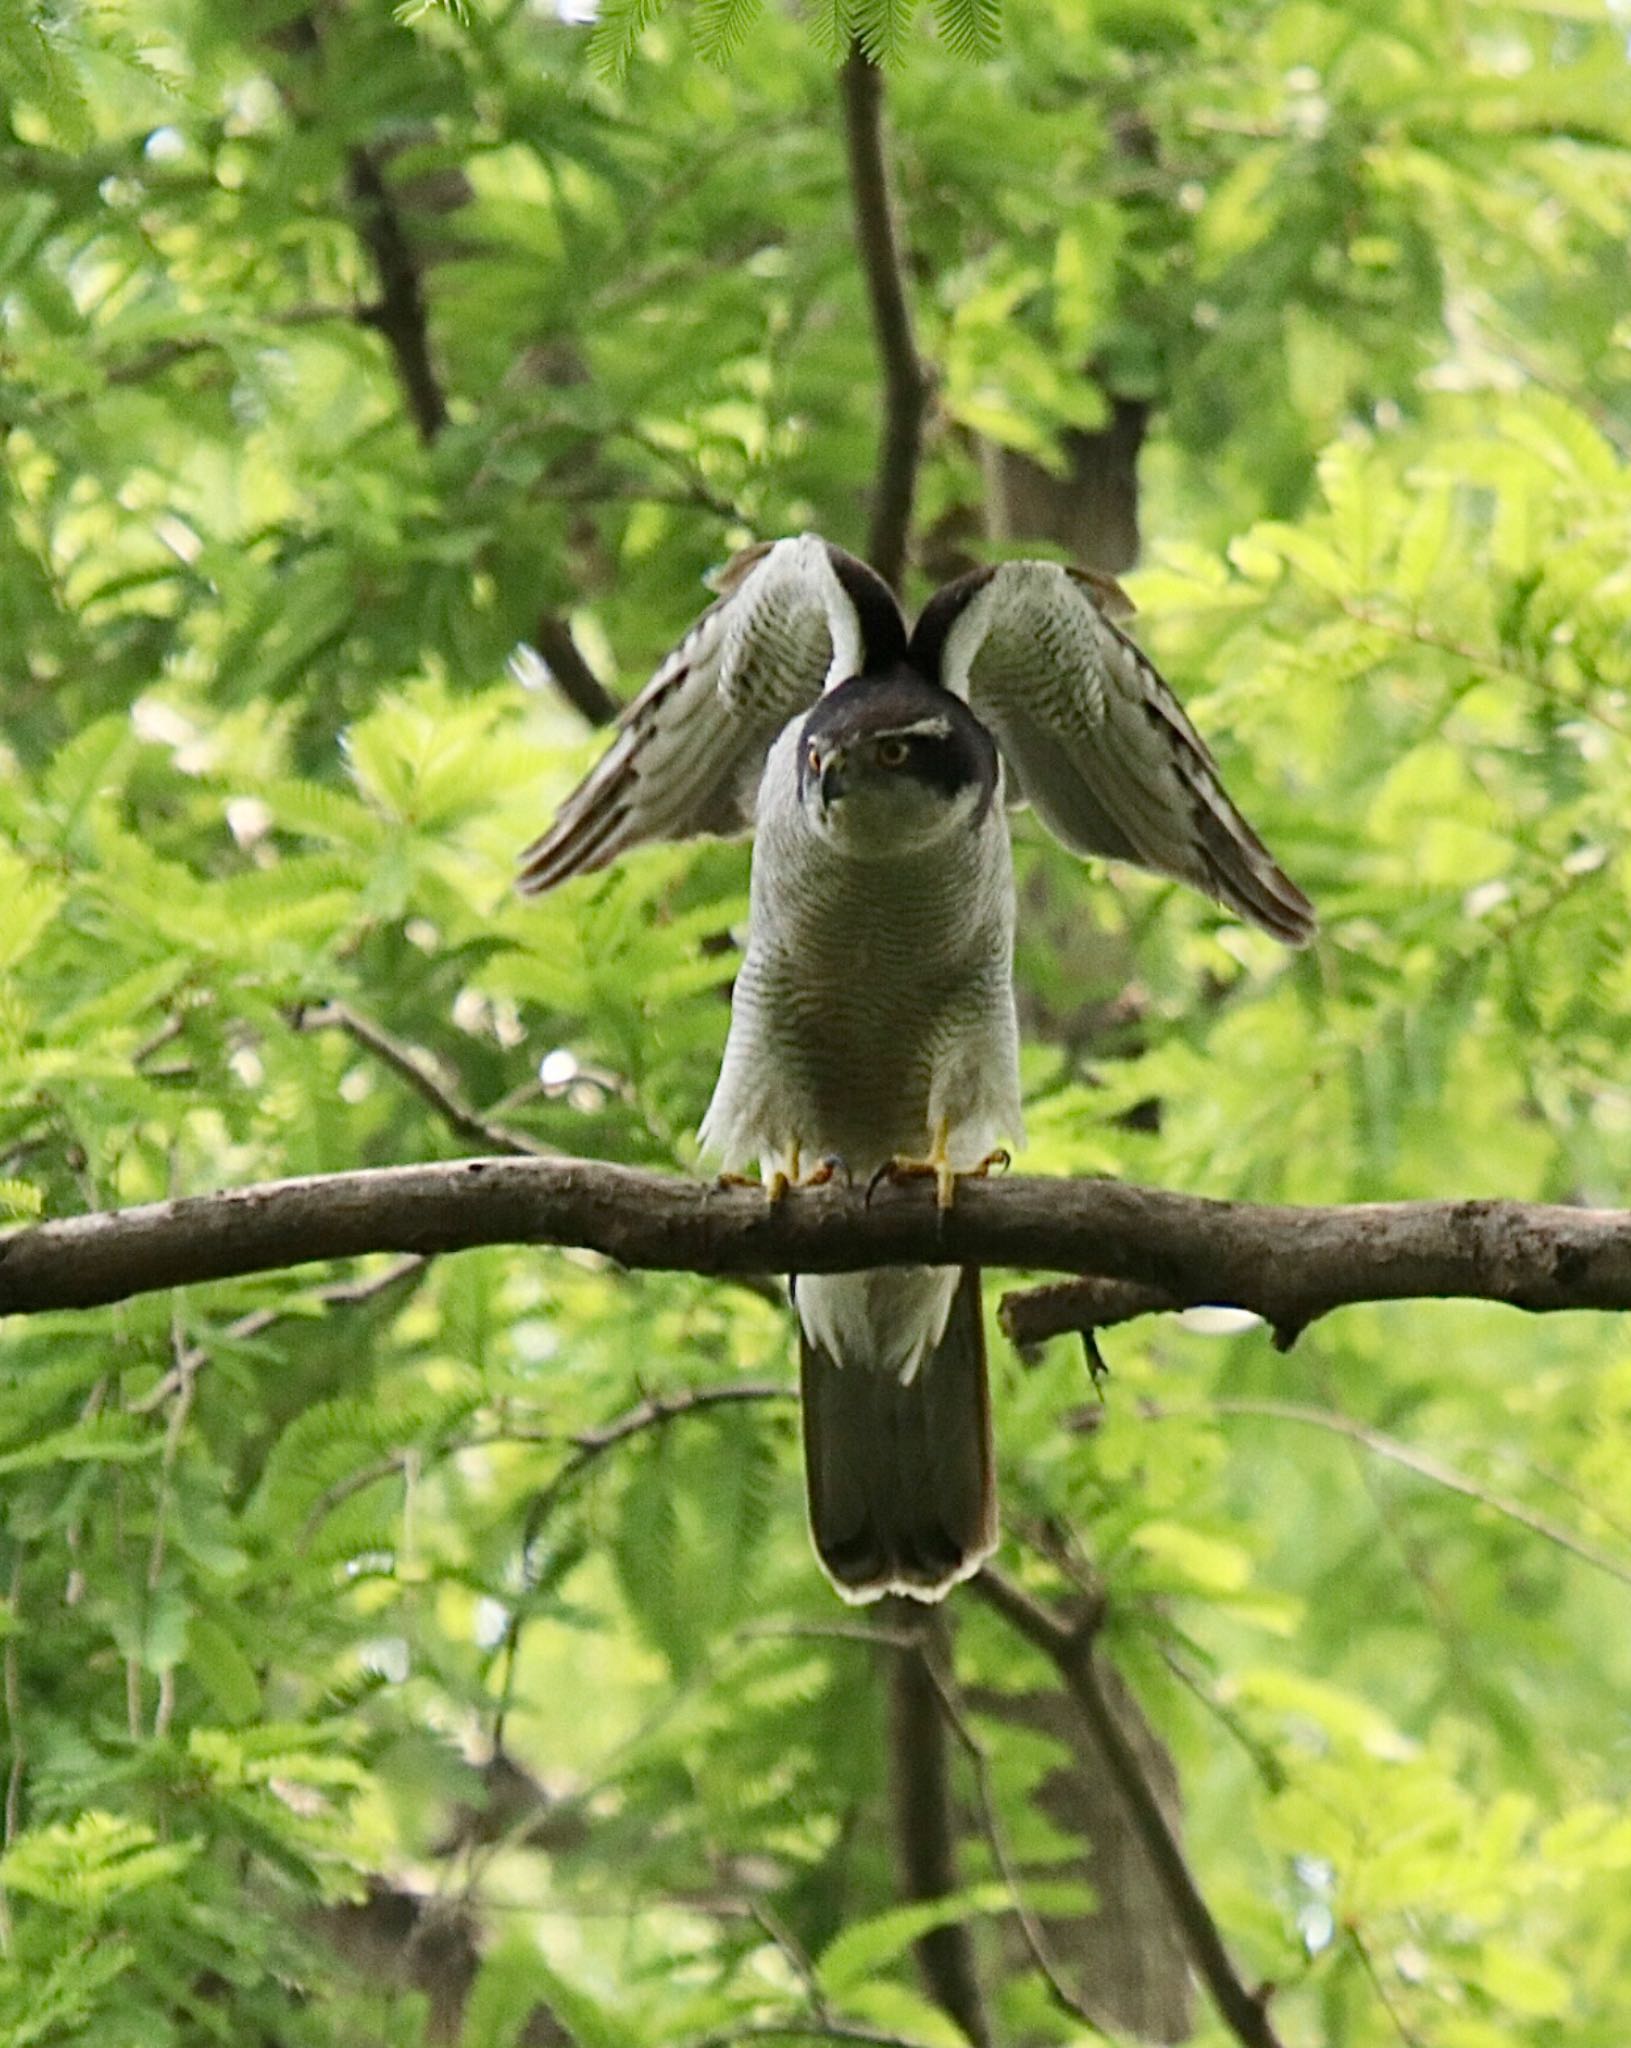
892,753
812,758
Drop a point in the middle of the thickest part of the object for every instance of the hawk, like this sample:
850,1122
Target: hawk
873,1023
1091,736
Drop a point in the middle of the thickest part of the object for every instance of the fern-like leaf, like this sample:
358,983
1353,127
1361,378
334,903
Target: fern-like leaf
969,28
832,23
617,34
719,27
881,27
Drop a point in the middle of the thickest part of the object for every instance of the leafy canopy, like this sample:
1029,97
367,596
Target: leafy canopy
274,1560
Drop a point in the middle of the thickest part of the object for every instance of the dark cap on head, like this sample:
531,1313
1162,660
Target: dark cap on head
948,748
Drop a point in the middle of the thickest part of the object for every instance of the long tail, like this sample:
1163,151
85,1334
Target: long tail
899,1465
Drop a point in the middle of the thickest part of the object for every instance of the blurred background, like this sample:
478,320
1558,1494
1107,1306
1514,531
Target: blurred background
434,1653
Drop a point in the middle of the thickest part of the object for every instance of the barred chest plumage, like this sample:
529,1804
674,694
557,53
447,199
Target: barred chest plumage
875,998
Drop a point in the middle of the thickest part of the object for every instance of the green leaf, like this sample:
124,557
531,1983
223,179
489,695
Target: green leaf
970,28
617,34
90,1863
720,27
866,1946
36,69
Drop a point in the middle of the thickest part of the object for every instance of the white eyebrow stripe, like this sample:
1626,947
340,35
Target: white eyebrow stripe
935,728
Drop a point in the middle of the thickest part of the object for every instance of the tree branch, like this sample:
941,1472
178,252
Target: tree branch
417,1066
953,1710
925,1824
1031,1315
906,382
339,1294
570,673
1288,1264
1071,1652
400,313
655,1412
1422,1463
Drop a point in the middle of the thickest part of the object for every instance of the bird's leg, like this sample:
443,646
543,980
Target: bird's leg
785,1176
790,1174
829,1167
938,1163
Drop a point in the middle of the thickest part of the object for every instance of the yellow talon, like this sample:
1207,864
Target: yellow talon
938,1163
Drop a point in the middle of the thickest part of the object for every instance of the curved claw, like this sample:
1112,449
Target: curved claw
946,1176
937,1163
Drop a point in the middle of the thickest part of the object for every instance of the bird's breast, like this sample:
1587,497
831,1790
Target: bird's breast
874,969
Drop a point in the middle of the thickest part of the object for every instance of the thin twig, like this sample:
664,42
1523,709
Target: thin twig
657,1409
1070,1649
1422,1463
165,355
338,1294
1367,1963
589,1445
345,1489
11,1679
956,1716
905,380
417,1067
1270,1771
802,2030
186,1371
793,1953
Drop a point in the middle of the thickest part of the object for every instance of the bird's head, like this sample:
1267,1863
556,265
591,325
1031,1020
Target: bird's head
888,763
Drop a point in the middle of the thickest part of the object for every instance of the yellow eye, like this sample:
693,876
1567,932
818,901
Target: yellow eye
893,753
812,758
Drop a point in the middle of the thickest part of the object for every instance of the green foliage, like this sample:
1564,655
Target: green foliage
276,1561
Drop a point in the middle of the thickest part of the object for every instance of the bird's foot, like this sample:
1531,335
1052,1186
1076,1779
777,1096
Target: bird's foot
938,1164
791,1174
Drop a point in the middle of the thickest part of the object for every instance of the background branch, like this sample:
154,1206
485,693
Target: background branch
1031,1315
1069,1647
1288,1264
571,673
419,1068
923,1812
400,313
906,382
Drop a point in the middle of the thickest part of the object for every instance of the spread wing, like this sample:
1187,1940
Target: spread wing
687,754
1093,737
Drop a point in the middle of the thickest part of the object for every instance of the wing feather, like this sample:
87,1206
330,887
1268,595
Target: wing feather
1094,737
688,752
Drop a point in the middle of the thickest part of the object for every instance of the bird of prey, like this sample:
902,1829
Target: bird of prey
1090,734
873,1023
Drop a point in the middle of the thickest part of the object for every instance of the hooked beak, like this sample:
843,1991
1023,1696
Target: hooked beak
833,781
